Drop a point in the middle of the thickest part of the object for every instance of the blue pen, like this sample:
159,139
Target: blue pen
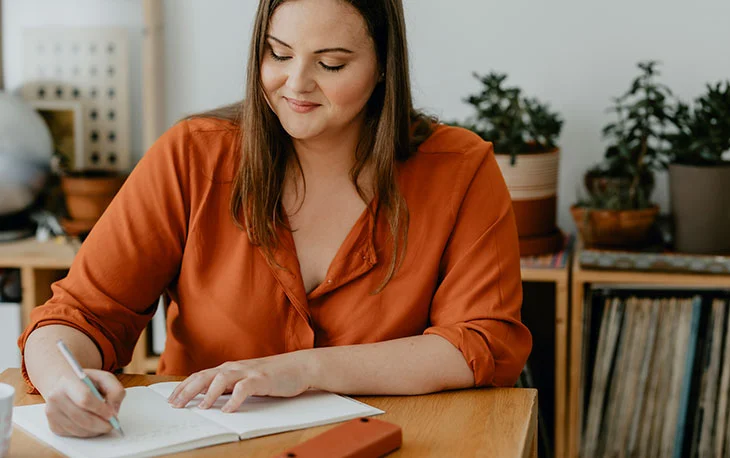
85,378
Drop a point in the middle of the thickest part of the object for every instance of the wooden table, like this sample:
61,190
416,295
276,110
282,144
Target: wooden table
481,422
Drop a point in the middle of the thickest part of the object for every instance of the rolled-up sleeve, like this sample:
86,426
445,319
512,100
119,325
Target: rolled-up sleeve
131,255
477,305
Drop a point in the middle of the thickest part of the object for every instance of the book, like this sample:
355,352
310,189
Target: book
654,403
723,395
153,427
652,310
651,443
674,386
618,382
709,398
607,336
630,377
686,378
704,355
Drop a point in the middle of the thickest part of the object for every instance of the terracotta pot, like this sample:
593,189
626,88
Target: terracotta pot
614,228
533,185
598,184
88,196
700,199
541,244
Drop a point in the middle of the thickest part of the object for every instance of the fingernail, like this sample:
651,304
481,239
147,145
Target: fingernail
202,405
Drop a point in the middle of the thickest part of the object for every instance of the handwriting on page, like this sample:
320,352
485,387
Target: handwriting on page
148,421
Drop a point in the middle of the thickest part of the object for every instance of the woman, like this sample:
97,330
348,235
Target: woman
320,235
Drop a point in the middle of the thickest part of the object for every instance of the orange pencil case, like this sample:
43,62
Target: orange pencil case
358,438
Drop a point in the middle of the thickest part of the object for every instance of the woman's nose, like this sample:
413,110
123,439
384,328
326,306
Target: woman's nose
300,79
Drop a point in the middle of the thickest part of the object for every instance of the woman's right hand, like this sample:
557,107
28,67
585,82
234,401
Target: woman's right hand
72,409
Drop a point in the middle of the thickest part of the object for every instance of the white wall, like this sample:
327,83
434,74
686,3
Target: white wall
572,53
576,54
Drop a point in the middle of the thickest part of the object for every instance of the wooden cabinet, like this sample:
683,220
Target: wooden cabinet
560,277
583,278
42,263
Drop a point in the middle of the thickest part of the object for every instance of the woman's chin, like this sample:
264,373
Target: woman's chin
302,132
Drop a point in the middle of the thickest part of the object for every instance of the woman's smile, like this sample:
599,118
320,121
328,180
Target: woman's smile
301,106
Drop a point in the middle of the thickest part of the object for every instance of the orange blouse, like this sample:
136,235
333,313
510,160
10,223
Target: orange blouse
169,229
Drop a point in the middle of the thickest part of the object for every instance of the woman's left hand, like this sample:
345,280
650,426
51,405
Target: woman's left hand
284,375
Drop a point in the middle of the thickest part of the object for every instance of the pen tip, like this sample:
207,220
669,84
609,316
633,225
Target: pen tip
121,432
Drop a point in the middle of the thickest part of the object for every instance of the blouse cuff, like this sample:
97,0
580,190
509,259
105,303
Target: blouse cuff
474,348
106,349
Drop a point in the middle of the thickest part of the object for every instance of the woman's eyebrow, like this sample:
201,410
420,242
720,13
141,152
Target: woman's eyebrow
319,51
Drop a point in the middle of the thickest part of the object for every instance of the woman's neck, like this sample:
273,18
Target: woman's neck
326,163
328,155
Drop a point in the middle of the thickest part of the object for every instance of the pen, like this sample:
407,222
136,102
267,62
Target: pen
85,378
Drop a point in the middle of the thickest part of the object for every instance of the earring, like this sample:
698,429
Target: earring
382,76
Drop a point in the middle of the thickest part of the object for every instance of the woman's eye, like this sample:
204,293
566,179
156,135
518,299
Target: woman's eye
330,68
277,57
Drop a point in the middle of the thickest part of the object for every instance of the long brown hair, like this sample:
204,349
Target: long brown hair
392,132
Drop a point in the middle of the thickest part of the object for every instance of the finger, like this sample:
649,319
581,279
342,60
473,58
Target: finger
89,423
196,383
65,427
78,421
81,396
242,390
217,387
57,422
177,391
109,386
180,387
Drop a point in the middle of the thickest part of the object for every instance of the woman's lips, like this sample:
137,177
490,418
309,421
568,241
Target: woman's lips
300,106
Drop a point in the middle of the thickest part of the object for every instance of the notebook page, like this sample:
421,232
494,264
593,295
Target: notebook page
259,416
150,425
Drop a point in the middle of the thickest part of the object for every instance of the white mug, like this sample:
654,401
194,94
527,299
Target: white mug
7,392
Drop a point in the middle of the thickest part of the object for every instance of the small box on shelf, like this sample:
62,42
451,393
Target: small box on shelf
9,333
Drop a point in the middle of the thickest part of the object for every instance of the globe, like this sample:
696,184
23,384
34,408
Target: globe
26,148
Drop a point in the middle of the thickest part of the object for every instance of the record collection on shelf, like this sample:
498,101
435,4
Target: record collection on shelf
657,373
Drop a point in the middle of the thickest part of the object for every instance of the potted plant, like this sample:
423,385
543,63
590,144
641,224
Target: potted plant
618,210
699,175
87,193
522,126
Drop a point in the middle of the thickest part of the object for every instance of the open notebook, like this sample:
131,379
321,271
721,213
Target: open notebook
153,427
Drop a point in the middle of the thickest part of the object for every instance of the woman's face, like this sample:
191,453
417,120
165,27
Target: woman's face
319,67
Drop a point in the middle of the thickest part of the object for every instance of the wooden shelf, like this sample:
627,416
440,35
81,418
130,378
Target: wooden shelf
39,255
43,263
547,275
561,277
580,279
